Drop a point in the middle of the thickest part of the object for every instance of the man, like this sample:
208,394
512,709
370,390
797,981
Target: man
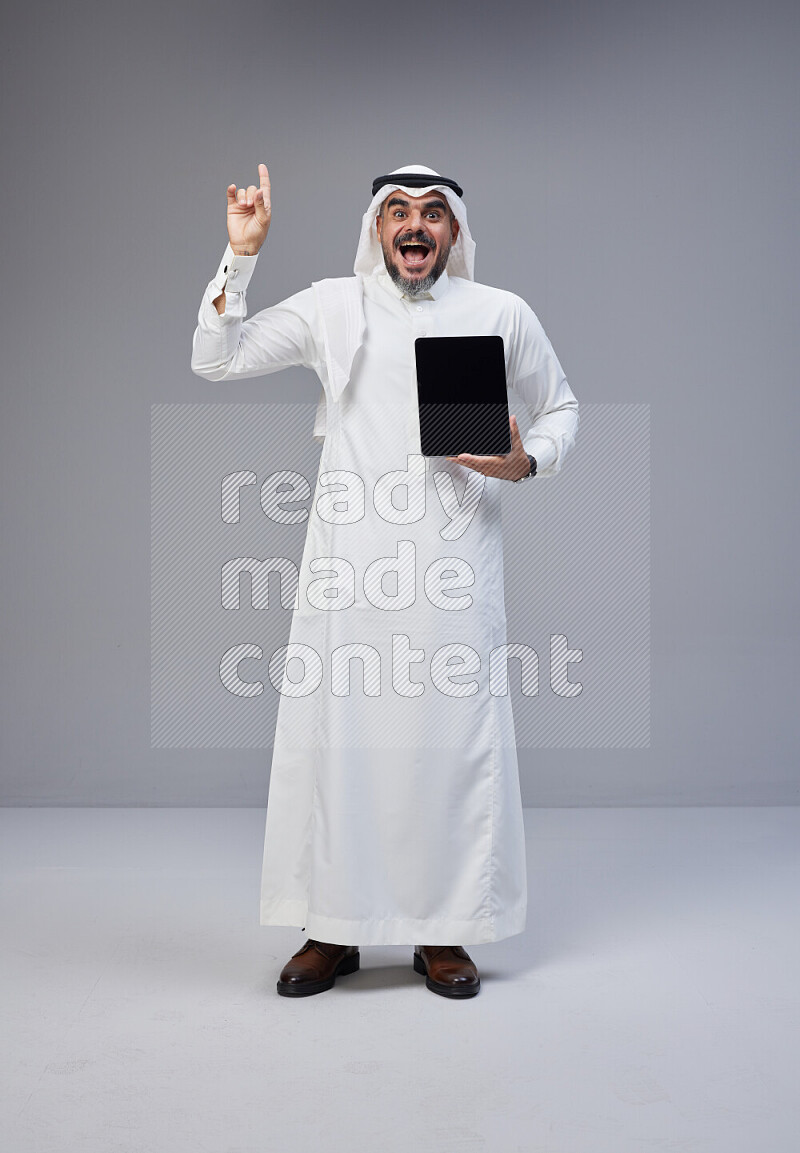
394,812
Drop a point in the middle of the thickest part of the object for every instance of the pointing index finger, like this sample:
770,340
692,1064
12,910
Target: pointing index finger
263,178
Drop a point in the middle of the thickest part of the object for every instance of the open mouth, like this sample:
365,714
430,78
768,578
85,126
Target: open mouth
414,254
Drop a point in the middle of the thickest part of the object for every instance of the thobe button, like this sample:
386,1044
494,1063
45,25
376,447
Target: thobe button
419,308
424,332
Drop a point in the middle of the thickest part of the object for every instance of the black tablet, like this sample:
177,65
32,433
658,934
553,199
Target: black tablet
462,394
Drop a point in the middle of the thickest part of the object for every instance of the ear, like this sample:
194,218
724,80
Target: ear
454,229
379,223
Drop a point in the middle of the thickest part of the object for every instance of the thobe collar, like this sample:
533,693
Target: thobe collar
436,291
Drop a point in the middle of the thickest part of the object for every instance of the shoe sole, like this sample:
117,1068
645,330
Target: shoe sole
308,988
438,987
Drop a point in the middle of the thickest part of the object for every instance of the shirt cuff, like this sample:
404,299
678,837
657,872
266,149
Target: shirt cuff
543,449
234,272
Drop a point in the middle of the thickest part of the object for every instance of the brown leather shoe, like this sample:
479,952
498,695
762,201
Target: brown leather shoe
315,967
448,970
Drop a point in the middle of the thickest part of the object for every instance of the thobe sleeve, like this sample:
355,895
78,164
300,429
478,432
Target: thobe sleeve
230,346
538,377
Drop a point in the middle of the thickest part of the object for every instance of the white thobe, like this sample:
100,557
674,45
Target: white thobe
394,813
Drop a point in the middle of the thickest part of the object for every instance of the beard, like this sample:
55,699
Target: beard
416,286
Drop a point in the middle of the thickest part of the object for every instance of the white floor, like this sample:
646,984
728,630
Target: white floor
652,1003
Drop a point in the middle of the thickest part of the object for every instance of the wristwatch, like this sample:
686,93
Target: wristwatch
528,475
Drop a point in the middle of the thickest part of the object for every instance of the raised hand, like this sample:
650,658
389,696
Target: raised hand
249,214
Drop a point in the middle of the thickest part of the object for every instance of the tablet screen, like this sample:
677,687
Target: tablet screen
462,394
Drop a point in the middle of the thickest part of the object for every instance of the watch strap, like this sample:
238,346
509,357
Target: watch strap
532,472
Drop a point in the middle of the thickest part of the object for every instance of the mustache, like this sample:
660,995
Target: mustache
418,237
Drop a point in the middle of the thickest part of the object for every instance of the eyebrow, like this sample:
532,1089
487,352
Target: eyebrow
398,200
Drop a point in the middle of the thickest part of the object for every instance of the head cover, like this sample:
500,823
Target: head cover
416,180
411,179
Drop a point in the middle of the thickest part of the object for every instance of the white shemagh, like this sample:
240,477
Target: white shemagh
369,257
341,300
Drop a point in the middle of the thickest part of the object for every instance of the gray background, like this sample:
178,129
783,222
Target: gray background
629,169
